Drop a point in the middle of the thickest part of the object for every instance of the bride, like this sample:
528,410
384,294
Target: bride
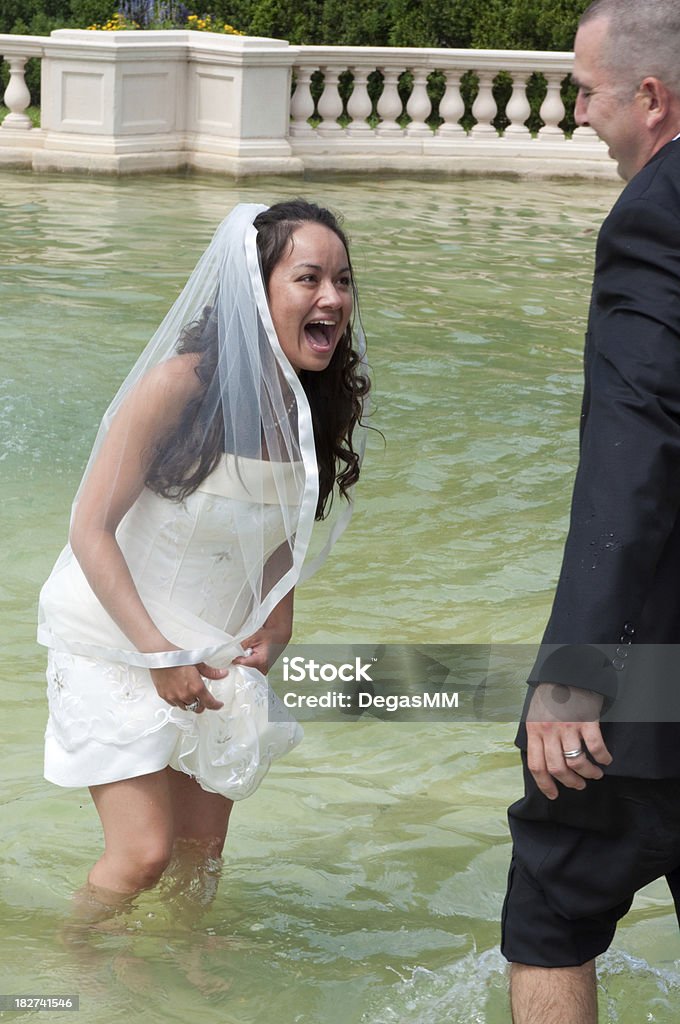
189,531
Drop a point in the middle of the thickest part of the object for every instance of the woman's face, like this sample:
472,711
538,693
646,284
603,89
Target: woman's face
310,297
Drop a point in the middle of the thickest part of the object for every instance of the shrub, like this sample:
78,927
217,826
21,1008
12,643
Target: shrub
496,24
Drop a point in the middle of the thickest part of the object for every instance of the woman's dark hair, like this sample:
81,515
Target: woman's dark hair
335,394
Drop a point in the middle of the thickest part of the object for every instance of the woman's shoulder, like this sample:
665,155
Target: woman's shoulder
175,378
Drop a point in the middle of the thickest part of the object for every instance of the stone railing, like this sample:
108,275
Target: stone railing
141,101
352,133
16,51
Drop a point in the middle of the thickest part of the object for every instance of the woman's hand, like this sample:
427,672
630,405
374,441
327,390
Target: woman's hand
266,644
181,685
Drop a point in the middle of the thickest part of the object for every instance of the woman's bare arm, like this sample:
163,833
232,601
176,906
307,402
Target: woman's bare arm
114,482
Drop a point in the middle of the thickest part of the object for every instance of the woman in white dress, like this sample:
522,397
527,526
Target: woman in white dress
189,531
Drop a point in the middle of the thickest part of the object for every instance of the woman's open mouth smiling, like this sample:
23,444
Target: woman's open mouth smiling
320,334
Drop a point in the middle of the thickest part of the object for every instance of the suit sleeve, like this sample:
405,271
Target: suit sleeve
626,495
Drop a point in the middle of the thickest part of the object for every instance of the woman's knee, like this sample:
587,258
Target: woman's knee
126,869
141,866
149,863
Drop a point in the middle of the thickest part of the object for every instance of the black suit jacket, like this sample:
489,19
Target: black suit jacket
620,579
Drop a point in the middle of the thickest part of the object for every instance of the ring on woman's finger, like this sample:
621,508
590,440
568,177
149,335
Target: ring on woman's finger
572,753
247,653
193,706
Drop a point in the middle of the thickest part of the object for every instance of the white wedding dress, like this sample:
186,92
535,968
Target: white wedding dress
196,565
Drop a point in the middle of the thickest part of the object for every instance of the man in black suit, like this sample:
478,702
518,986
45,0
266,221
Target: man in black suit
601,813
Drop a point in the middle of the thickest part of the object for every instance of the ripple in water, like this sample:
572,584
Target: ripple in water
363,883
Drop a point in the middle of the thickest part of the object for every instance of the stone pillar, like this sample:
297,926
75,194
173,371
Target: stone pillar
419,106
132,101
484,108
238,104
302,103
330,103
17,96
389,104
451,107
359,106
552,109
518,108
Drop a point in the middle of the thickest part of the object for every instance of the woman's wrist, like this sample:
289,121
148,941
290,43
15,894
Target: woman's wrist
278,631
156,645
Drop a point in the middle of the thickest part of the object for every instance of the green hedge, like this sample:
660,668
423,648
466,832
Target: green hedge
501,24
498,24
495,24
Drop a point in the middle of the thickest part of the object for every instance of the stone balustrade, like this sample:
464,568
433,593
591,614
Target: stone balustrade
349,133
141,101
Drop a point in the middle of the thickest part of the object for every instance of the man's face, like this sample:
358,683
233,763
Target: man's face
607,103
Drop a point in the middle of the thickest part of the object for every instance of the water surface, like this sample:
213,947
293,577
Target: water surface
362,884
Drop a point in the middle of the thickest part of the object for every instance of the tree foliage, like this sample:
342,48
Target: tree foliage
500,24
493,24
527,24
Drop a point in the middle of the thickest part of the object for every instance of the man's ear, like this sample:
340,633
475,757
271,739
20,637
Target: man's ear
657,101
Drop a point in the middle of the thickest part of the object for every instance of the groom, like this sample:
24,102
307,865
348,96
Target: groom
601,813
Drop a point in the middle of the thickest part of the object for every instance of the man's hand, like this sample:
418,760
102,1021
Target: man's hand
564,719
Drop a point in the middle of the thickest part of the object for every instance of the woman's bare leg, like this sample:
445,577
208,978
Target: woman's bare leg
200,826
200,818
137,818
145,821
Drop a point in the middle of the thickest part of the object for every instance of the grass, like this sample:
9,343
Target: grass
33,113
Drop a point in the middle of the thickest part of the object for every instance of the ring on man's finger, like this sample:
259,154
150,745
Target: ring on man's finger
572,753
193,706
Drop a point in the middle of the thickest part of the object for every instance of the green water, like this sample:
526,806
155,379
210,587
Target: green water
362,883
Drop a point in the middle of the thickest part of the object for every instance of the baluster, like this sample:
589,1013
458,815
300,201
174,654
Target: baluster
302,103
17,96
518,108
389,104
330,102
419,105
552,109
359,105
484,107
451,107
